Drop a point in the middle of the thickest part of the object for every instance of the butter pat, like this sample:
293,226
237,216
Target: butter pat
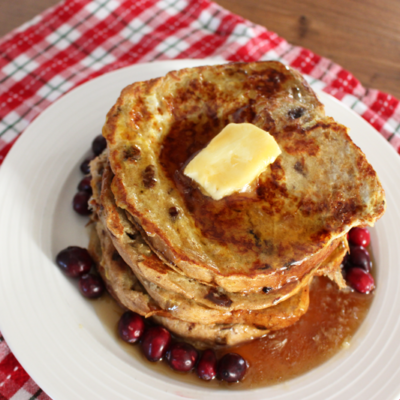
233,159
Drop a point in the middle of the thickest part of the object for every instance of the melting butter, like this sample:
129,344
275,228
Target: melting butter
233,159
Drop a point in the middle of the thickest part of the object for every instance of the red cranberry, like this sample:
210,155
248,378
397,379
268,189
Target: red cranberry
85,167
84,185
91,286
359,257
80,203
359,237
360,280
207,366
130,327
232,367
99,144
155,343
182,357
74,261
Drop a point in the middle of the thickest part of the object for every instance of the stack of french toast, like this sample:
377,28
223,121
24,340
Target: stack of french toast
222,272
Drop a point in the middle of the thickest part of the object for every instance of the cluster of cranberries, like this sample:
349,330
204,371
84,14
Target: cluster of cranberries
76,262
80,202
156,344
357,264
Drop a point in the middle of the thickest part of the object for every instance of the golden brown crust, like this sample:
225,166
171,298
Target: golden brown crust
318,189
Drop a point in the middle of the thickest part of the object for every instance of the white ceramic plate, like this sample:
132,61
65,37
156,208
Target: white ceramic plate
56,334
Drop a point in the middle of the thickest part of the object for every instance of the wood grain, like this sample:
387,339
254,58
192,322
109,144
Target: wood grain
14,13
362,36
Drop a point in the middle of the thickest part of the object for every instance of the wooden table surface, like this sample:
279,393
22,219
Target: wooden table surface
363,36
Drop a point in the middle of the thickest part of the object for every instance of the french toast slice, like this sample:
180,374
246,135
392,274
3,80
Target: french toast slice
316,191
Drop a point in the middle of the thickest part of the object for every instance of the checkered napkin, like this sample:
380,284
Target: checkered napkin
80,39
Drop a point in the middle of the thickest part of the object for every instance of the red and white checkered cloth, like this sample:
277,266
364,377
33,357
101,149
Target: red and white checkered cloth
80,39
